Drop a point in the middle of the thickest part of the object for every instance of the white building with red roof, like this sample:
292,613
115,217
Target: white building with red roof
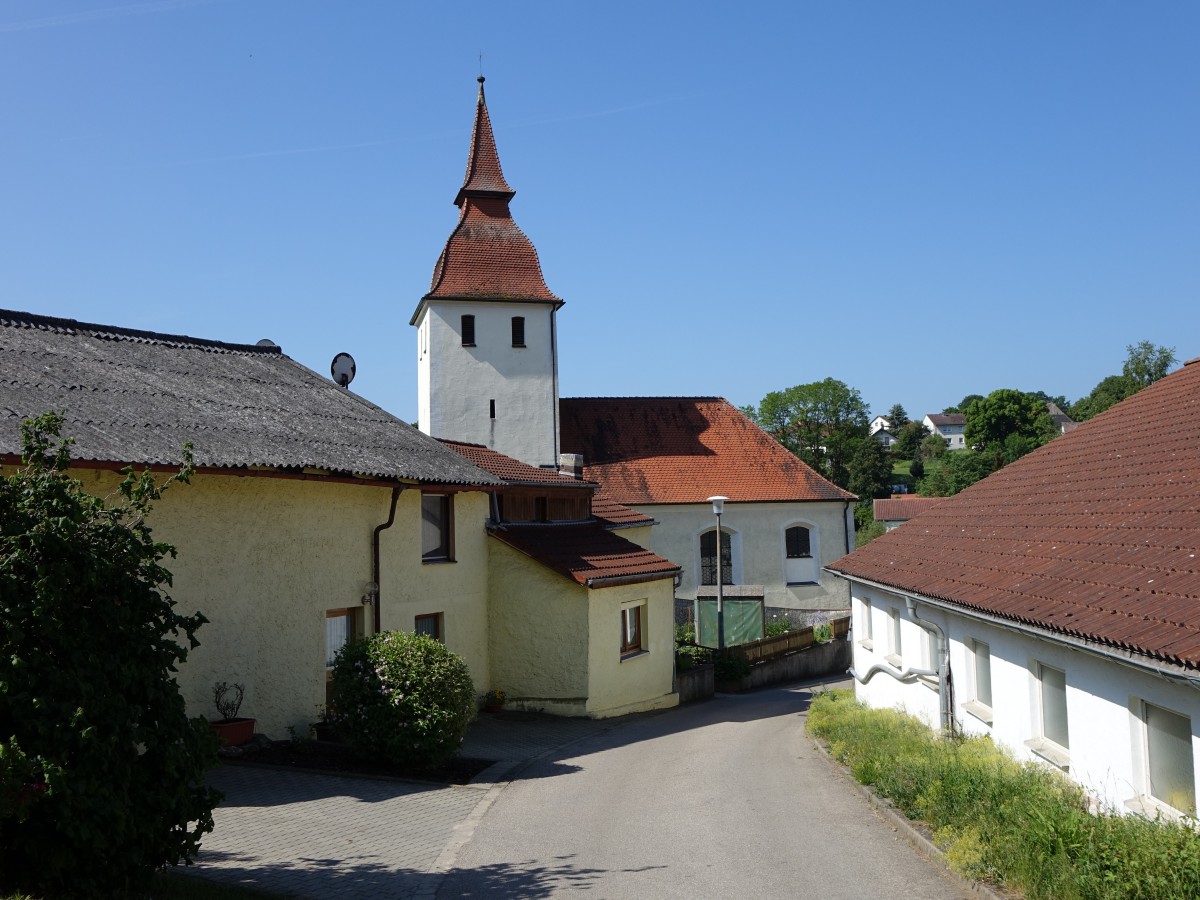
1055,605
488,375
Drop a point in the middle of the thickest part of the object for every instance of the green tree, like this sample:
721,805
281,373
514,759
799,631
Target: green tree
932,447
909,439
962,405
822,423
870,471
897,418
1146,363
1109,392
991,420
953,472
100,767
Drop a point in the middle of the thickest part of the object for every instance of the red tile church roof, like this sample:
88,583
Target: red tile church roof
1096,535
511,470
683,450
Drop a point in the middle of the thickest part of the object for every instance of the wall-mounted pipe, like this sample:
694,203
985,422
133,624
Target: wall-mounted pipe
945,701
396,490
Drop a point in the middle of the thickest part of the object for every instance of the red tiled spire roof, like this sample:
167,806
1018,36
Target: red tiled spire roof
683,450
1096,535
487,257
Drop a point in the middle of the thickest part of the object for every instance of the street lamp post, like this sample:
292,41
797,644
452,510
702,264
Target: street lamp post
718,505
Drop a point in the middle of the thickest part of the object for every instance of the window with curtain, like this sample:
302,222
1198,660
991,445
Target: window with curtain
1171,775
1053,687
631,629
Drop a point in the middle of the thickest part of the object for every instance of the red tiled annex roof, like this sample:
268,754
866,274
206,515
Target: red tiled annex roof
900,509
683,450
617,515
1096,535
511,470
487,257
587,554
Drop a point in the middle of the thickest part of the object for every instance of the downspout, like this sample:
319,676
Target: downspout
375,553
941,672
554,380
846,524
945,701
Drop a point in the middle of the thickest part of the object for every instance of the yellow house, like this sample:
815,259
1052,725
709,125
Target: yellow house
315,516
565,587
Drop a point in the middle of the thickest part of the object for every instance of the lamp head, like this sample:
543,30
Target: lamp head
718,504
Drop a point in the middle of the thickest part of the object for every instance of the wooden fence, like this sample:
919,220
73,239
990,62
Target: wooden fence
783,644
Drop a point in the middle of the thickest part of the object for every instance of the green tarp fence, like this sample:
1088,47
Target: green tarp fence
743,621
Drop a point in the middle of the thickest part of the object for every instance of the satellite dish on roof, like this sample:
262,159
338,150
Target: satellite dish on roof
342,369
266,342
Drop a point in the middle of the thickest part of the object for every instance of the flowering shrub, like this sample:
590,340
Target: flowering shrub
403,697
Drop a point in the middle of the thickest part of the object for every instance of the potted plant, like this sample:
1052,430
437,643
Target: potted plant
233,730
493,700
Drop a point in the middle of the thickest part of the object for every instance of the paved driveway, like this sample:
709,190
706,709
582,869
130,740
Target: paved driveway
724,798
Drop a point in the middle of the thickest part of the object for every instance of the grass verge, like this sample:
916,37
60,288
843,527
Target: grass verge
1019,825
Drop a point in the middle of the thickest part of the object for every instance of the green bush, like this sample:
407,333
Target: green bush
731,668
688,656
1019,824
776,627
403,697
100,767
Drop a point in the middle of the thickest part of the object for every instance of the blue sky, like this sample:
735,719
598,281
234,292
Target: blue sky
923,200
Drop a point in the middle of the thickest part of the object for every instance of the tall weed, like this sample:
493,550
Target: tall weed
1018,824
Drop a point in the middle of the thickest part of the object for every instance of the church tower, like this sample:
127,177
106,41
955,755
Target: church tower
487,365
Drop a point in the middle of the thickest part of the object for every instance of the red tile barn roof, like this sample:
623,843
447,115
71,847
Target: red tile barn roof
1096,535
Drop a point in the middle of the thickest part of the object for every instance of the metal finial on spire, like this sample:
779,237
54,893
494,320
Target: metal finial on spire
480,79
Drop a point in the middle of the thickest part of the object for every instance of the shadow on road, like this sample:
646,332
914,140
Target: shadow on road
363,877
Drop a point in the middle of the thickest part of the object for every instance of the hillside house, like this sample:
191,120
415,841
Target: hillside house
949,427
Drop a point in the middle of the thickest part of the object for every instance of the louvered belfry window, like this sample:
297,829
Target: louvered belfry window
468,331
518,331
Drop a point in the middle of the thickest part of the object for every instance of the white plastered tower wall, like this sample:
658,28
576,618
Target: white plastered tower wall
493,393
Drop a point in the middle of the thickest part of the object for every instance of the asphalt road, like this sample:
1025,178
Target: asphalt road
726,798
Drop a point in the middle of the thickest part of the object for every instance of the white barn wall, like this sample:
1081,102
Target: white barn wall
1103,718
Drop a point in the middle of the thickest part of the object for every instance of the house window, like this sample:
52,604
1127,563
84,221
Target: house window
491,409
631,630
895,655
980,665
708,557
1053,741
1170,776
800,564
436,527
429,625
518,331
468,331
868,634
341,627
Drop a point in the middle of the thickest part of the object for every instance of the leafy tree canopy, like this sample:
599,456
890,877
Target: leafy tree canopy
897,418
100,767
822,423
909,439
1006,412
953,472
870,471
962,405
1145,363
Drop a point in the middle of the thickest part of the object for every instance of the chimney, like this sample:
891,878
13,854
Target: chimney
571,464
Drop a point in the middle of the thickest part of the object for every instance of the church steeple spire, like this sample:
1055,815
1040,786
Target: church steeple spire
487,255
484,176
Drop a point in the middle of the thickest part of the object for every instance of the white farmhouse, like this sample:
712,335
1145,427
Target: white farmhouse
949,427
1055,605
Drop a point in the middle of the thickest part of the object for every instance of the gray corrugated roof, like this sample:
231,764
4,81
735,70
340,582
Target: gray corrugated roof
137,396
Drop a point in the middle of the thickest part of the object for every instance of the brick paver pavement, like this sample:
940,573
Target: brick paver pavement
312,835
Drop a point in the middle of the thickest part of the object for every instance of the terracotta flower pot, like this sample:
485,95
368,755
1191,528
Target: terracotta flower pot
233,732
